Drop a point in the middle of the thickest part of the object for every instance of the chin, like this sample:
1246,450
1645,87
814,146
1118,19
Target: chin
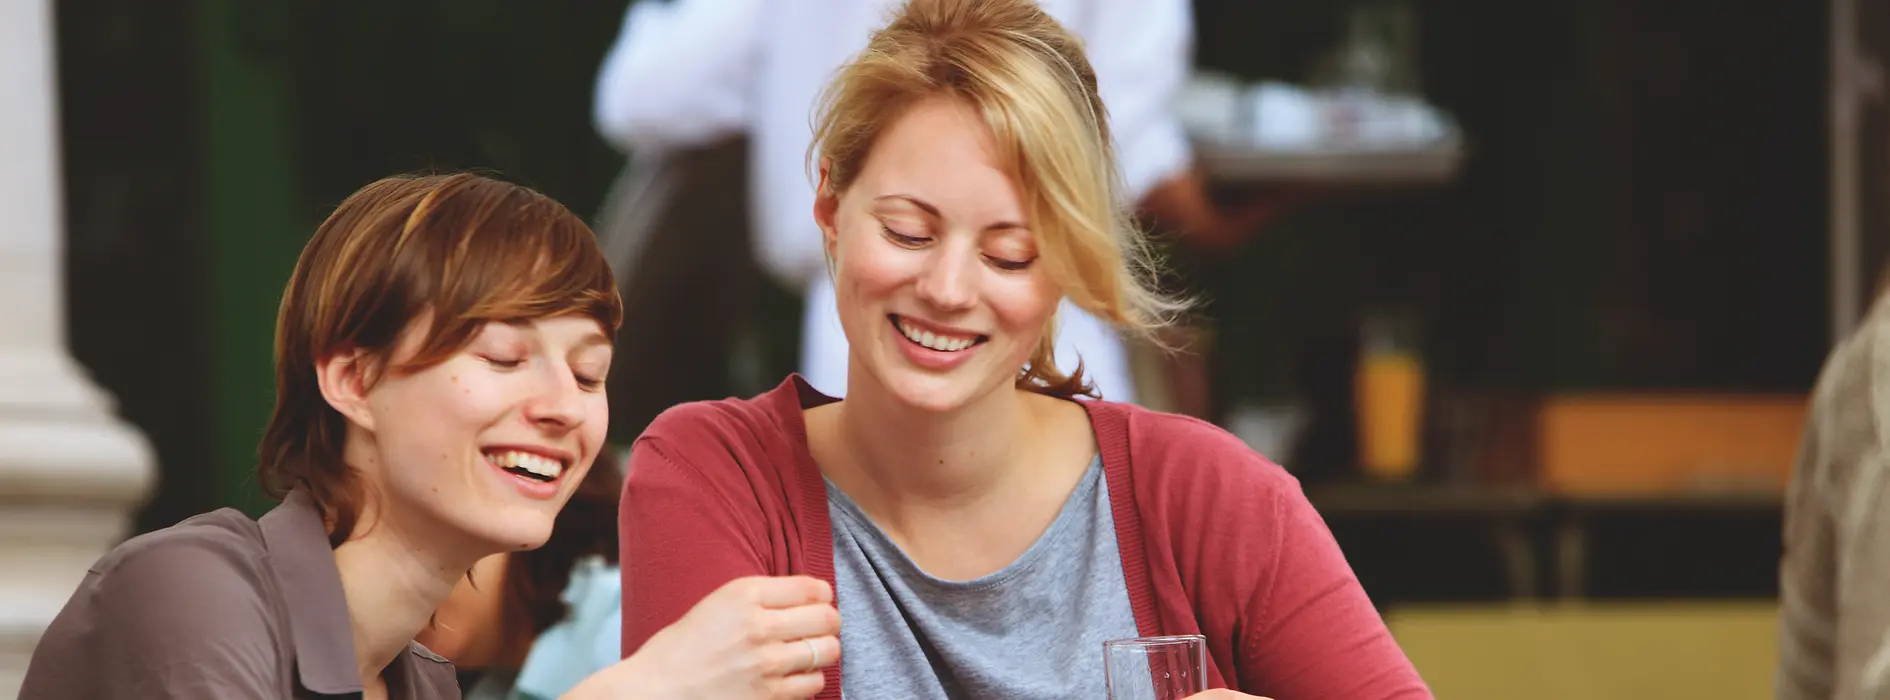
926,396
934,393
514,531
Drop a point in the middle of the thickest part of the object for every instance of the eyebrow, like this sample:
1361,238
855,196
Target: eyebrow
590,339
929,209
593,339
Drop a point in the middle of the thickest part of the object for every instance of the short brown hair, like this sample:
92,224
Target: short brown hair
464,248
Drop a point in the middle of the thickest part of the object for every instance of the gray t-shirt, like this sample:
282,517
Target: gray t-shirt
1031,630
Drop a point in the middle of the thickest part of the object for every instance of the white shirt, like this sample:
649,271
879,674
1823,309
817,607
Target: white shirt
689,72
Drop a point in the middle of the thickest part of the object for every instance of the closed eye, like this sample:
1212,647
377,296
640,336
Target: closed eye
1009,265
503,363
902,239
588,383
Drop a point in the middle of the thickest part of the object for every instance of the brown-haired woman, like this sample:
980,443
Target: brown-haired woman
440,356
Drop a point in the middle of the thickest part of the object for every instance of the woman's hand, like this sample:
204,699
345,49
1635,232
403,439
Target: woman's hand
758,638
1223,694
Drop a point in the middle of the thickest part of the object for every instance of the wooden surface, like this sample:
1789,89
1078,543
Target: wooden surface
1666,650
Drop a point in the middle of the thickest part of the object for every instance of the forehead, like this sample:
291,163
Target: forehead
940,151
421,344
565,329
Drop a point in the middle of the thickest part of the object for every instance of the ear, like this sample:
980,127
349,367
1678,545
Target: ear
826,208
344,379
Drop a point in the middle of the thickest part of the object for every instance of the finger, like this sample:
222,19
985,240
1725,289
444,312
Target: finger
787,591
799,656
829,647
800,685
814,620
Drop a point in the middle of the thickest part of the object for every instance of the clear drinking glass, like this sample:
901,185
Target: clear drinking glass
1156,668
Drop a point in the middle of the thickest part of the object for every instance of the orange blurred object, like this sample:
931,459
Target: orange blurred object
1390,400
1629,444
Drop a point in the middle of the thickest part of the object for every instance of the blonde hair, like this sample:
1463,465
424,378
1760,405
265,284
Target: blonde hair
1028,78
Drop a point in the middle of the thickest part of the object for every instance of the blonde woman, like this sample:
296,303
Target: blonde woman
985,525
690,73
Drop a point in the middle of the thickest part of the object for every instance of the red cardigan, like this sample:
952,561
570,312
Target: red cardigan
1215,540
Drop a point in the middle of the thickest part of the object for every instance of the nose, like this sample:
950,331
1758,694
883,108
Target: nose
949,283
557,404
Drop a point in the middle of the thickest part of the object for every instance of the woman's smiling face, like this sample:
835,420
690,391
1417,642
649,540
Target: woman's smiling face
935,265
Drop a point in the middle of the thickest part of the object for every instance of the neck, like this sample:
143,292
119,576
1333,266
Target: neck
909,456
393,586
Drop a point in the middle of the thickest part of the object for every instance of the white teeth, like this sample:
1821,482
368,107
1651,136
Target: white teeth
536,464
942,343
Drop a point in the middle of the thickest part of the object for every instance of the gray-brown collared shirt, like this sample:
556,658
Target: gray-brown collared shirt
219,606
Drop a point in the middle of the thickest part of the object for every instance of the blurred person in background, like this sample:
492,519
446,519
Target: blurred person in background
532,625
684,73
985,530
440,356
675,229
1834,612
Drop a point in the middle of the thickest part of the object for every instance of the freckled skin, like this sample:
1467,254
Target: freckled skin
525,384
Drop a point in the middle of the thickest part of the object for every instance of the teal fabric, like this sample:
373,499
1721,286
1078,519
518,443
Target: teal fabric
584,643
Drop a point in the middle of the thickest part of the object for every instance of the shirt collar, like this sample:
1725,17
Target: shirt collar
304,566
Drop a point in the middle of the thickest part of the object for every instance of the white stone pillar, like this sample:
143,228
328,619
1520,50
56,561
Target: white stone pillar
71,472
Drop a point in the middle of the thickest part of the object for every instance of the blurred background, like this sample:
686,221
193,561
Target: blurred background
1539,348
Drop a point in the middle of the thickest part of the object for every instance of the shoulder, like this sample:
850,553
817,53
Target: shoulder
745,456
1845,378
220,553
1865,360
1194,484
197,595
773,415
722,421
1848,416
1158,430
1182,456
762,431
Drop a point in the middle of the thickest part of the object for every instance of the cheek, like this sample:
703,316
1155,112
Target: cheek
871,267
596,427
475,396
1024,303
440,403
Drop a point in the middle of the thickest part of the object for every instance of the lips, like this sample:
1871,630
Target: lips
932,337
533,471
530,465
934,348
